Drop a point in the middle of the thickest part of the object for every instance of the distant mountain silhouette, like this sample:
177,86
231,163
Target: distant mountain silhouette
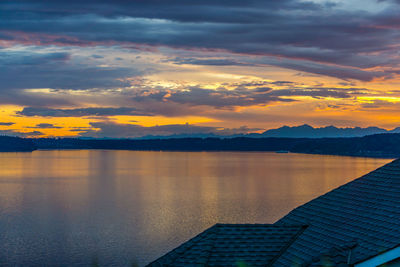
307,131
396,130
302,131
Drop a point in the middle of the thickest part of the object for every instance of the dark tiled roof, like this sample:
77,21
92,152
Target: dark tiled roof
232,245
365,211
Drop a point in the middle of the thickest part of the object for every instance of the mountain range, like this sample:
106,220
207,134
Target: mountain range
302,131
307,131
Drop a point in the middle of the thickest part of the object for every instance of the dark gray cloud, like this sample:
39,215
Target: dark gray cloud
21,134
80,112
208,62
243,95
114,130
340,93
341,72
220,98
24,70
29,70
81,129
228,11
379,105
19,97
97,56
46,126
6,123
291,29
9,58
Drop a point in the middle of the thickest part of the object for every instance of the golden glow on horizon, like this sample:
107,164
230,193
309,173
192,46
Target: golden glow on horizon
149,121
66,124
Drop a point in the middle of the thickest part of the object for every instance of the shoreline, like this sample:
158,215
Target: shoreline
372,146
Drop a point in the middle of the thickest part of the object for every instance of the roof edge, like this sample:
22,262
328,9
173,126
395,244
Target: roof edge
363,261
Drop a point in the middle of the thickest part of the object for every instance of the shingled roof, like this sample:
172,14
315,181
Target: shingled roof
232,245
348,225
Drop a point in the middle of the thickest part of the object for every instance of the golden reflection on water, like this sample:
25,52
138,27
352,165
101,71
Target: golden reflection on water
125,205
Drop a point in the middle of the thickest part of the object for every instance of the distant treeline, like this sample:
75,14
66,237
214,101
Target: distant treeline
179,144
381,145
16,144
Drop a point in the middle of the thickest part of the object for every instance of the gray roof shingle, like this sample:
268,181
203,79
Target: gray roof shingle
232,245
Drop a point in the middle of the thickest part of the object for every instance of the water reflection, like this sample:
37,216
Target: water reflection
118,207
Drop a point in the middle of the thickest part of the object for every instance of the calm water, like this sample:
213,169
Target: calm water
124,207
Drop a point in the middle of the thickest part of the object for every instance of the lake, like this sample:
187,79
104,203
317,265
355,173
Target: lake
87,207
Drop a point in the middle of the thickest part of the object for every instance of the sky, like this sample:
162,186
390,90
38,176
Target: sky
126,69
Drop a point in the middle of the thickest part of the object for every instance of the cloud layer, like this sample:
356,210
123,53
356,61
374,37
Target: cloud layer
321,33
223,62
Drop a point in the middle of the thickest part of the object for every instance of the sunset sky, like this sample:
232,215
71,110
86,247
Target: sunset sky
153,67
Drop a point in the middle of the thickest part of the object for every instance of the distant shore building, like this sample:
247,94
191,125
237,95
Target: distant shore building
357,224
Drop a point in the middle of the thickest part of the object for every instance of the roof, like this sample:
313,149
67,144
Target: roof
347,225
233,245
365,211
